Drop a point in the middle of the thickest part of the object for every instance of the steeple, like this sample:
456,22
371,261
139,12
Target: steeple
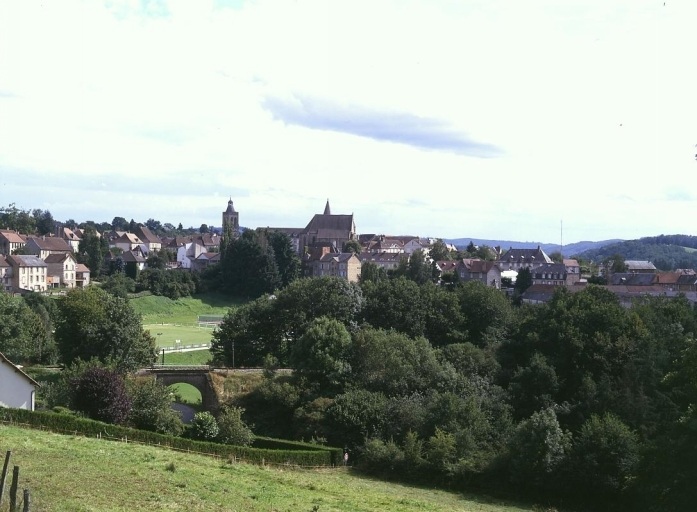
327,210
232,217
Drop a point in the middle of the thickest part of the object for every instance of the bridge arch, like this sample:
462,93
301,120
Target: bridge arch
200,378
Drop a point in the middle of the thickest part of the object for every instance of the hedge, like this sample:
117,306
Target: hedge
288,452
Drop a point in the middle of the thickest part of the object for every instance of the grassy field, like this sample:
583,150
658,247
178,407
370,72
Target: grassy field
194,358
155,309
67,473
167,334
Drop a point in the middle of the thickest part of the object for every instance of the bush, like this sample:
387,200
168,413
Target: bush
203,426
232,430
152,407
101,394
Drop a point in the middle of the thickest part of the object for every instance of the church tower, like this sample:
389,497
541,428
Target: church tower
232,217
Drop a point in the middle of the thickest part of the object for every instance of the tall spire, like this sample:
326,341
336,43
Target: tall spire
327,210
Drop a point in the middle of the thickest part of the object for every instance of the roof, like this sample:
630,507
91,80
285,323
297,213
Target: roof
559,268
639,265
447,265
51,243
477,265
3,261
26,260
327,225
68,234
668,277
17,369
530,256
570,262
340,257
12,236
632,279
81,267
540,292
230,208
382,257
128,237
58,258
146,235
131,257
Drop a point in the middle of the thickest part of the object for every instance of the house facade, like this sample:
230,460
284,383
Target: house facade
29,273
386,260
487,272
17,389
61,270
10,241
5,274
82,275
549,273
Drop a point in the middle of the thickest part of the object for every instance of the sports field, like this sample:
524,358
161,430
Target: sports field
167,334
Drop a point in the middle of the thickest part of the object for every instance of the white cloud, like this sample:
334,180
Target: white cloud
590,103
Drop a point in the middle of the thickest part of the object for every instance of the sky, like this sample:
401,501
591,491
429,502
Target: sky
550,121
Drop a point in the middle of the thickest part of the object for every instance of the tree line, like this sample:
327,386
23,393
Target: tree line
579,401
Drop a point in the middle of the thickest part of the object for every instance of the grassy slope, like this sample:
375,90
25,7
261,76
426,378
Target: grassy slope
66,473
155,309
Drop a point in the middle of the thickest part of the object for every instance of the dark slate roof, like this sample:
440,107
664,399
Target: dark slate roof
326,225
632,279
687,279
230,208
531,256
25,260
539,292
558,268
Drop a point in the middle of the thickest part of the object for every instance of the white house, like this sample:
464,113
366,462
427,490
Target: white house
17,389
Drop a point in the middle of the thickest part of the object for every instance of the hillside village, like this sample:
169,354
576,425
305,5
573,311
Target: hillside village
329,245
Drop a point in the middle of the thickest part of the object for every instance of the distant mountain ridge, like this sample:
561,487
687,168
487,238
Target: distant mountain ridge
568,250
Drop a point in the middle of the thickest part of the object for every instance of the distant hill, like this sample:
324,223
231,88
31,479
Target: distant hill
666,252
569,250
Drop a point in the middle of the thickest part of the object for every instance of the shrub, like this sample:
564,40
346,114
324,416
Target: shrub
232,430
101,394
203,426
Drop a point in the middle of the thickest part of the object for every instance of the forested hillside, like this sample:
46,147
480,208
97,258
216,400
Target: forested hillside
666,252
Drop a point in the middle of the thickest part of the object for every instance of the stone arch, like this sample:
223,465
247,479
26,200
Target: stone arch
199,379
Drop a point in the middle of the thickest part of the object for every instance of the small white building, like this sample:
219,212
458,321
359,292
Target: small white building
17,389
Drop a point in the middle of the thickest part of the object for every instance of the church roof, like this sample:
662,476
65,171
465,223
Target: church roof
230,208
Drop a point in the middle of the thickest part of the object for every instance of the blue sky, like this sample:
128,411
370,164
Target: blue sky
484,119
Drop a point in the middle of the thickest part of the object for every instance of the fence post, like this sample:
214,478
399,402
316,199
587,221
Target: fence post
13,489
4,473
26,501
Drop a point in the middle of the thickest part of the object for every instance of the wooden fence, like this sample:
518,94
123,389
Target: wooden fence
14,504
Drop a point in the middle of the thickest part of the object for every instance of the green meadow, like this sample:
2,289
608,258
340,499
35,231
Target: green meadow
66,473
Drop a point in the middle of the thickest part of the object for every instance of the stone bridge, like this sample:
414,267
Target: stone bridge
198,376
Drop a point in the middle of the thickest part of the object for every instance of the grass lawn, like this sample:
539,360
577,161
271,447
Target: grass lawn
166,335
155,309
76,474
195,358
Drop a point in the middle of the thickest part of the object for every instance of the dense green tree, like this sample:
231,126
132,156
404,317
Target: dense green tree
45,225
25,336
154,225
487,313
204,229
604,457
287,260
119,224
95,324
249,267
119,285
439,251
17,219
322,353
419,268
151,407
372,273
392,363
352,246
395,304
523,281
91,251
538,448
355,416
